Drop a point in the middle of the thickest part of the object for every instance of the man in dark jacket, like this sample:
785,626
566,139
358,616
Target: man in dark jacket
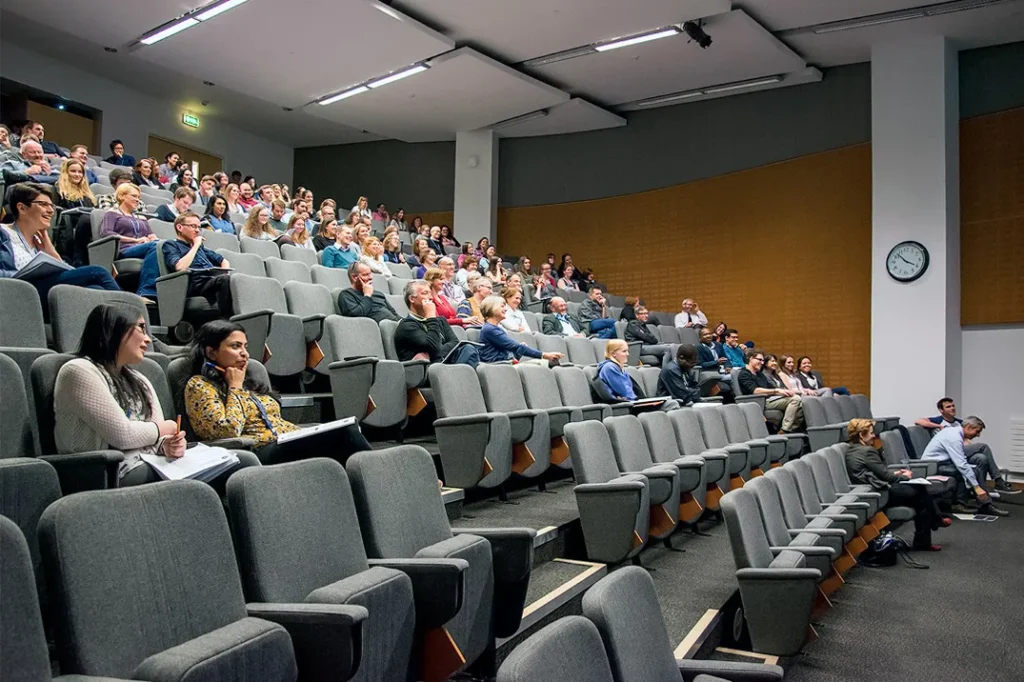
424,335
676,378
560,321
651,350
753,382
361,300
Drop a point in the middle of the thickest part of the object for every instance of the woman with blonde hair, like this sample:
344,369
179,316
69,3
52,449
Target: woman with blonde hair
73,192
359,234
362,209
393,248
435,278
298,233
257,226
136,237
233,195
373,256
611,372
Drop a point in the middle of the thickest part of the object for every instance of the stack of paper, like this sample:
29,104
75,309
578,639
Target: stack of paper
200,463
316,428
41,265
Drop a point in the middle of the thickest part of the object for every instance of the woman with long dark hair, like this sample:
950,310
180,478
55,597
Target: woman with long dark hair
217,217
101,402
223,400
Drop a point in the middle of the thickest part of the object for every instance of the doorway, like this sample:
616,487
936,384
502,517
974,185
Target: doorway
208,163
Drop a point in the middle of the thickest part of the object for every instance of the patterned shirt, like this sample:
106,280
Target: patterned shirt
238,416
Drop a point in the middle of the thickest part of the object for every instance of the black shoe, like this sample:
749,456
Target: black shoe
992,510
1003,486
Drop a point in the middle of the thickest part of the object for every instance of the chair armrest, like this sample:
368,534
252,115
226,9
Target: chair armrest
808,550
241,318
327,638
103,251
415,372
466,420
96,470
313,327
618,485
733,671
759,399
774,574
512,562
835,532
835,517
171,293
923,469
437,586
824,436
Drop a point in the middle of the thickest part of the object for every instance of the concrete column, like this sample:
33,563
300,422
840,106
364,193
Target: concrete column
915,327
476,186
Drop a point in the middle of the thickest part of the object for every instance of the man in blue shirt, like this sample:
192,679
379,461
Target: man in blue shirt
947,449
979,455
734,352
188,253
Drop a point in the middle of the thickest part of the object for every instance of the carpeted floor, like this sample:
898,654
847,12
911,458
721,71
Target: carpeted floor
534,509
961,620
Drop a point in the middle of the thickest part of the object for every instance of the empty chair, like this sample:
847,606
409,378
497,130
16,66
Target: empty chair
221,241
814,504
633,456
777,589
27,487
624,607
397,302
70,307
207,631
533,321
568,650
332,278
25,341
553,344
894,450
290,252
718,461
647,378
863,407
833,413
582,351
821,433
688,335
794,443
246,263
312,552
475,445
761,450
530,428
400,270
919,438
712,425
662,445
668,334
252,297
402,516
359,337
541,392
846,407
261,247
574,389
285,271
614,507
163,229
836,528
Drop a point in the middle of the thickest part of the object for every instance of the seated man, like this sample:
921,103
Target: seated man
691,316
594,312
118,157
50,149
343,252
80,152
947,448
425,335
677,376
188,253
560,322
29,160
182,203
469,308
360,300
753,382
713,367
733,350
650,347
979,455
451,289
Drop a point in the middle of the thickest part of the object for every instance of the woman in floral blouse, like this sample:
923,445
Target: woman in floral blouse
224,401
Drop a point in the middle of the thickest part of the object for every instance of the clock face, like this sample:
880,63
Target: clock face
907,261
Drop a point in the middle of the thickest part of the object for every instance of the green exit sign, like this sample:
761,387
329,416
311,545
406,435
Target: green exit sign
190,120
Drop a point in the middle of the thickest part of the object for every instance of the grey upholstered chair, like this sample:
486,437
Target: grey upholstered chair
285,271
734,379
359,337
582,351
221,241
837,529
531,428
647,377
633,456
263,248
894,450
25,341
400,270
827,493
778,589
624,607
919,438
692,470
547,343
313,552
863,407
103,250
833,413
712,425
762,450
568,650
246,263
402,516
70,307
614,507
252,298
846,407
821,433
313,304
332,278
181,313
718,461
541,392
27,487
168,539
475,445
298,254
794,442
814,505
574,389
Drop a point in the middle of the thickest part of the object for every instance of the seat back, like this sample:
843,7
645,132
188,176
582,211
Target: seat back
573,386
246,263
814,411
553,344
161,228
44,380
153,541
533,321
354,337
688,335
624,607
894,450
252,294
646,378
525,338
789,495
539,386
287,550
846,407
734,379
581,351
290,252
387,337
285,271
712,426
861,405
750,547
832,412
396,286
70,307
629,443
456,390
822,476
768,502
805,485
661,439
668,333
221,240
835,455
735,423
332,278
400,270
152,370
20,301
593,457
755,419
305,299
502,388
919,438
22,640
16,439
261,247
397,302
686,425
568,650
397,500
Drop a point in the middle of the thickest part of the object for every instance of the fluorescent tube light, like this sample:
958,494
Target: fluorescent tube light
213,11
174,28
411,71
669,98
867,22
359,89
532,116
653,101
741,86
636,40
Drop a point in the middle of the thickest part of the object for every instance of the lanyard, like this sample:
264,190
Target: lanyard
24,242
263,415
135,226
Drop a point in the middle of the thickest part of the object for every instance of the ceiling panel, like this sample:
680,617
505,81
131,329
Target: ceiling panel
778,15
463,90
308,58
106,22
575,116
741,50
975,28
524,29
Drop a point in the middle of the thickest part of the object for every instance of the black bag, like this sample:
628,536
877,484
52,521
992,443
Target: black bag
884,551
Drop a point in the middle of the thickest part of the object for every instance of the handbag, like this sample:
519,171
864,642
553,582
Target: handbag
884,551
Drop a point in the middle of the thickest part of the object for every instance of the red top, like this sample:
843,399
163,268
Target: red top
445,310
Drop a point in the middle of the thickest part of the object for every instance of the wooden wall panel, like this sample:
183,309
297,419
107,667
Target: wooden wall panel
63,127
992,218
781,252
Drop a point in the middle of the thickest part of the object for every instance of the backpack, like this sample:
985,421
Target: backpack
884,550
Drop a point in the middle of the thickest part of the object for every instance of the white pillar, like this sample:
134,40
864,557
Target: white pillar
476,186
915,327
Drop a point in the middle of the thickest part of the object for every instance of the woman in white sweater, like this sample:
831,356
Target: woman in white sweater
101,403
515,320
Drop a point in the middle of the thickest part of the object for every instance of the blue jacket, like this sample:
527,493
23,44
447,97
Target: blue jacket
706,359
125,160
7,267
498,346
735,356
616,379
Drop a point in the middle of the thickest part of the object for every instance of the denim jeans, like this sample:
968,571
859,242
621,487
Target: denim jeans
138,250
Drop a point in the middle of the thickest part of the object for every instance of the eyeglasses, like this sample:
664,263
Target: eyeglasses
45,204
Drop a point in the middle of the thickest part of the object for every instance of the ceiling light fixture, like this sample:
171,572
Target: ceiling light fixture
213,10
358,90
728,87
742,86
901,15
404,73
193,18
532,116
637,39
167,32
387,10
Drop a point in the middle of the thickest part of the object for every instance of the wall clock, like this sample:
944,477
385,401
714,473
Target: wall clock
907,261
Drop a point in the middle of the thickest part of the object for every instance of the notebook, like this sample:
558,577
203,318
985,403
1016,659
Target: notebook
314,429
41,265
200,463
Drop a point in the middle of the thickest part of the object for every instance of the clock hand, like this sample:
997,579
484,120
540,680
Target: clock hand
904,260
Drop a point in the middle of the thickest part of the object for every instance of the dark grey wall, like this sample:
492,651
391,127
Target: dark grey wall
658,148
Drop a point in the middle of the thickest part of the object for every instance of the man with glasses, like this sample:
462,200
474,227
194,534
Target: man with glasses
947,449
206,277
753,382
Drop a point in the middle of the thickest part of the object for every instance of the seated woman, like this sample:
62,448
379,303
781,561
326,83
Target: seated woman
566,281
216,216
481,248
444,307
393,249
812,379
490,253
257,226
100,402
719,332
467,268
326,235
233,195
498,346
629,310
515,320
613,384
137,239
73,192
426,262
867,466
494,271
373,256
224,401
467,252
31,205
184,179
524,267
296,232
144,174
448,237
787,374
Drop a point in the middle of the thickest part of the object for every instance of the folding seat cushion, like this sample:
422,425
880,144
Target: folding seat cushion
863,407
285,271
313,304
712,426
263,248
833,413
402,516
717,461
475,445
574,389
157,540
531,428
568,650
252,297
614,507
777,589
661,442
761,450
794,442
359,337
633,456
